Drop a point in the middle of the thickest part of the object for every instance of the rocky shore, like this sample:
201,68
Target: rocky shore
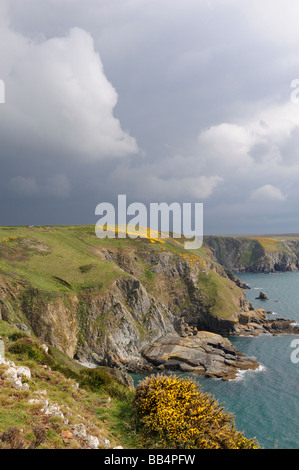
205,353
210,354
256,322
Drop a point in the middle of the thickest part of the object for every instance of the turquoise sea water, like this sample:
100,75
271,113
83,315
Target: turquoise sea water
265,402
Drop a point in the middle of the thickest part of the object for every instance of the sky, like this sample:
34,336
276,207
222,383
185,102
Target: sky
160,100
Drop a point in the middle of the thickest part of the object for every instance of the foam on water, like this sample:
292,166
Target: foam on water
242,373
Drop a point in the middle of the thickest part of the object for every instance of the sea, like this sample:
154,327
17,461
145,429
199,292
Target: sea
265,402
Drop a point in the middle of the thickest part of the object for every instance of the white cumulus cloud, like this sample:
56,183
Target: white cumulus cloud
268,192
58,96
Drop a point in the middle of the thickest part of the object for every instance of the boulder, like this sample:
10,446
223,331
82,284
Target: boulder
79,431
23,372
92,442
53,410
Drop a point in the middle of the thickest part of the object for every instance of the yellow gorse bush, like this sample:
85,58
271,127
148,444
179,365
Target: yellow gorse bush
179,415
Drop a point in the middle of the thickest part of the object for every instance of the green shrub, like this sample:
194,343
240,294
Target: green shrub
17,335
86,268
95,379
100,380
28,348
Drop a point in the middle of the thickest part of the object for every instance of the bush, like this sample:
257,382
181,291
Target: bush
17,335
13,438
27,348
95,379
86,268
177,414
100,380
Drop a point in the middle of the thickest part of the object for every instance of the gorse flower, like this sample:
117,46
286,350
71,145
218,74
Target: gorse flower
176,412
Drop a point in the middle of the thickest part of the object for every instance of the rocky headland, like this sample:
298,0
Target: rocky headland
126,302
256,253
205,353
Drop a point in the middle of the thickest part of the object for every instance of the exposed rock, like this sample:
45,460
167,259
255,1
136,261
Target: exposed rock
79,430
236,280
10,373
45,348
75,386
104,443
23,327
53,410
133,319
250,254
14,382
262,296
92,442
23,372
206,353
123,377
256,323
13,375
40,402
52,321
172,296
40,393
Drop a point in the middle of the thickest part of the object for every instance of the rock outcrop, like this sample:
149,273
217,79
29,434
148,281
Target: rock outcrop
262,296
256,322
205,353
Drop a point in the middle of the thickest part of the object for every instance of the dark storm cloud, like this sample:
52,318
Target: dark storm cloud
160,100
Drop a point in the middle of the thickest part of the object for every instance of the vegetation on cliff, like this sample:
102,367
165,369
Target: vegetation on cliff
177,414
67,404
62,404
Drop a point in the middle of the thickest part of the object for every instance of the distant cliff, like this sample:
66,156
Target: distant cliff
255,254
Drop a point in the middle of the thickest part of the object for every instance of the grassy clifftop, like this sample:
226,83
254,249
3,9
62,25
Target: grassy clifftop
73,260
56,259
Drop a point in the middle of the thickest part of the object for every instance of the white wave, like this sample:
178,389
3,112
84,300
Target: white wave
241,373
239,377
258,288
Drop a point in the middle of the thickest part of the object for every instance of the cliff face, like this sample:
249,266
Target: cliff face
105,302
255,254
112,326
123,295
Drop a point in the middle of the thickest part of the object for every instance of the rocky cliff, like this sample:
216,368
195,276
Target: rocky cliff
105,302
255,254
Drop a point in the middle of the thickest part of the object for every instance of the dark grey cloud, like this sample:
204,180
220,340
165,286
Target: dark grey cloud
160,100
